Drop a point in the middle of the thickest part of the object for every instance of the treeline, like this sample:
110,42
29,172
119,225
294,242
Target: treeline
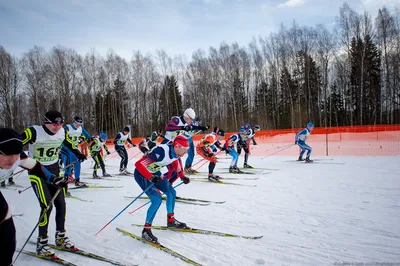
346,76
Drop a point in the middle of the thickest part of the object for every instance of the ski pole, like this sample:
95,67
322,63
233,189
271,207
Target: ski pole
150,200
115,217
288,146
20,191
135,155
17,173
41,217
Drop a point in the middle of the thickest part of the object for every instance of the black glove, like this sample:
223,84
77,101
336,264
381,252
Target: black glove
108,152
81,157
134,145
187,128
185,180
295,142
61,181
155,179
223,148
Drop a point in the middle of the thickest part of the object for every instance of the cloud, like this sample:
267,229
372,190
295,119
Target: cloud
292,3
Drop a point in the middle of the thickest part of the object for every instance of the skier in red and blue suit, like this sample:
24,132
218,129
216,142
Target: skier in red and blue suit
148,172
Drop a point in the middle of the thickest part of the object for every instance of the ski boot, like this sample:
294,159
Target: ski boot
11,181
213,178
245,165
173,223
234,170
3,183
63,241
300,159
80,184
95,176
148,235
308,160
189,171
71,179
123,171
105,174
42,247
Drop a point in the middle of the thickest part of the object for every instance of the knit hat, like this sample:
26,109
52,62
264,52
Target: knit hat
10,142
181,142
53,117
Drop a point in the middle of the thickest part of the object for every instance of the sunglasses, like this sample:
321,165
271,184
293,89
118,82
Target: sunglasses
57,121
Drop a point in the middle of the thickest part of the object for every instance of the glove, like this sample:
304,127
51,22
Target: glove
295,142
187,128
134,145
223,148
185,180
155,179
81,157
61,181
108,152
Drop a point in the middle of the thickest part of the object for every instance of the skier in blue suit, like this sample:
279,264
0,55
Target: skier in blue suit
300,140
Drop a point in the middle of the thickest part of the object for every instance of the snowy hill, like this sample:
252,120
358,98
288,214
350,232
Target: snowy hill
338,209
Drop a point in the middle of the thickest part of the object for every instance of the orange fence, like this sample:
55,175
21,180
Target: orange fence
379,140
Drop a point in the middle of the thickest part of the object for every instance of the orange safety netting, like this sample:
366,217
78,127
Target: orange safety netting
379,140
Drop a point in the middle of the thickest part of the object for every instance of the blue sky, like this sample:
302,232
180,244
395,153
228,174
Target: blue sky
177,26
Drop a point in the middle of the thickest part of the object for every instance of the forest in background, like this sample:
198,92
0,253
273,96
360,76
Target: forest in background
349,75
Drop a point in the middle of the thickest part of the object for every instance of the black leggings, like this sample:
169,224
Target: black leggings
124,156
98,161
7,234
45,192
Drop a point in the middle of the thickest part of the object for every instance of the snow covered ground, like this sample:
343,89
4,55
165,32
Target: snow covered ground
338,209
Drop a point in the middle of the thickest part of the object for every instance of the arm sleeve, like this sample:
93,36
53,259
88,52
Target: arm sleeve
34,167
173,124
117,138
29,136
86,135
105,147
130,141
178,166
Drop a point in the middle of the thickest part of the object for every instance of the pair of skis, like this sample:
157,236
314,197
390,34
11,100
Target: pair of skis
61,261
188,230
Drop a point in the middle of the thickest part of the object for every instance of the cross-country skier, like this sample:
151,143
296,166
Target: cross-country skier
300,140
44,142
147,172
75,131
12,156
204,149
99,142
119,142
